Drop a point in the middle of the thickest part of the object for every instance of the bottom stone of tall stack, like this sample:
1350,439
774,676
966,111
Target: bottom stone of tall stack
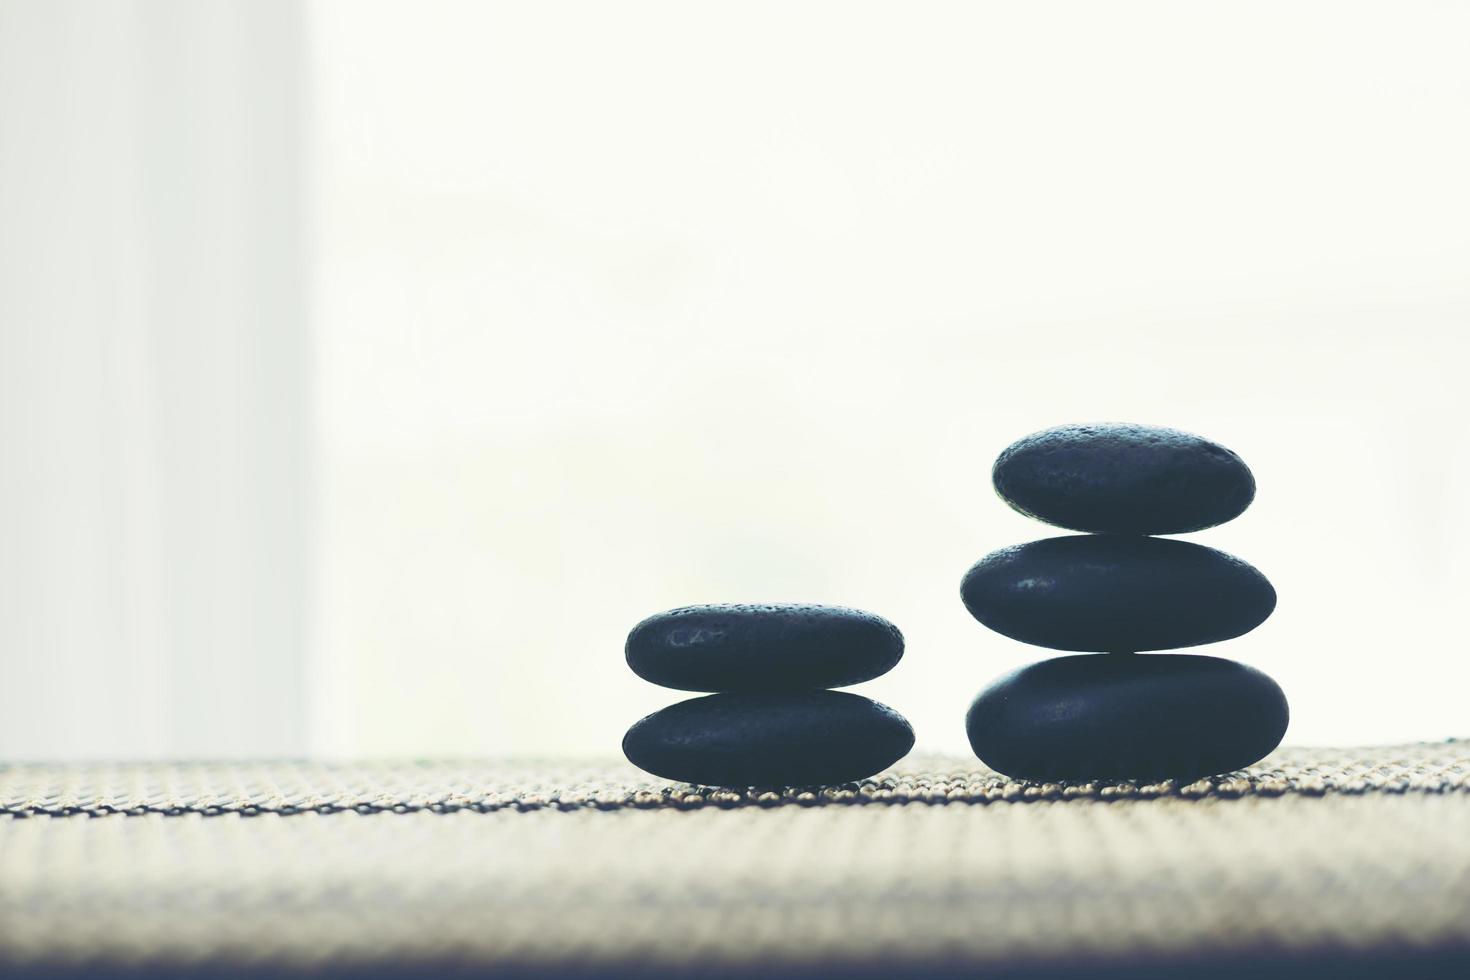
778,738
1139,717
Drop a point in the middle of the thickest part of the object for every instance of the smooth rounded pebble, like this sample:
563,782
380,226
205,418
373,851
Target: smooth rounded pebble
786,738
1117,594
762,648
1123,479
1149,717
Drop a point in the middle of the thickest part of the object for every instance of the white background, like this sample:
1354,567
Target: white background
619,307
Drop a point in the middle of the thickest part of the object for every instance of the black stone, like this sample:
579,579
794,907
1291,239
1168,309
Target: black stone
1114,593
1123,479
1123,716
762,648
783,738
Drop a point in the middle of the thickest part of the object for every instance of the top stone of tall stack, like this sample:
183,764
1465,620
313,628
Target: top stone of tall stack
1119,478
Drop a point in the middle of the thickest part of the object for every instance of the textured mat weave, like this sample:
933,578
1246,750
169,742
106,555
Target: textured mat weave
1327,855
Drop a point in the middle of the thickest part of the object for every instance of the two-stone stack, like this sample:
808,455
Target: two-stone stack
1117,591
773,722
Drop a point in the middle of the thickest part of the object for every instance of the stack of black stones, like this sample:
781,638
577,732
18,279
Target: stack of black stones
773,722
1117,591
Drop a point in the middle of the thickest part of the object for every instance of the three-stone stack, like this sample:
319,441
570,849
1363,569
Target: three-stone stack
1116,592
772,722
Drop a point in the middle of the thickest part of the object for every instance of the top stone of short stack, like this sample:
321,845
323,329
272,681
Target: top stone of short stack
1120,478
776,647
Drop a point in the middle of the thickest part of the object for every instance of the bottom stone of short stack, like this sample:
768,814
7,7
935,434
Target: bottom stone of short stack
1141,717
783,738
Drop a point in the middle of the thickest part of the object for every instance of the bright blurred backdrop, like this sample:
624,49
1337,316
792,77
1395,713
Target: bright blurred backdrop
577,312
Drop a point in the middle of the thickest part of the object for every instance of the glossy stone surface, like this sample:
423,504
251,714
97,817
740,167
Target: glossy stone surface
1123,479
762,647
1148,717
787,738
1116,593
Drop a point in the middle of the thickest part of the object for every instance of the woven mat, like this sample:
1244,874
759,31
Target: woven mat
1340,860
